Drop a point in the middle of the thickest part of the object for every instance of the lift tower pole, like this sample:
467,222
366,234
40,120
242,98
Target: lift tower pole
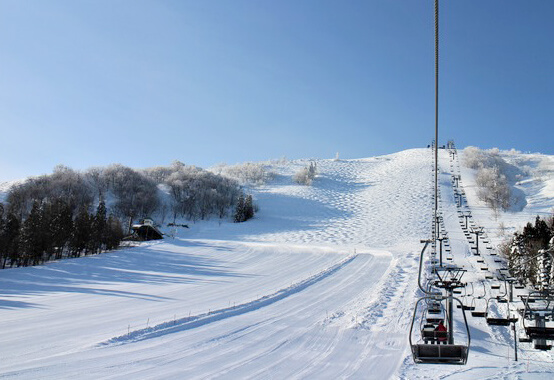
436,107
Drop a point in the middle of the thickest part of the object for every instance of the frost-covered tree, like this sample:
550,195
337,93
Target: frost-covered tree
137,195
525,260
306,175
246,174
493,188
197,193
492,179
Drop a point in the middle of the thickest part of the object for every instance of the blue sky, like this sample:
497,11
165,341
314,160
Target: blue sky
89,83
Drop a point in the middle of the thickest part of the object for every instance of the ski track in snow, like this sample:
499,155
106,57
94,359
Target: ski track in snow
217,315
320,285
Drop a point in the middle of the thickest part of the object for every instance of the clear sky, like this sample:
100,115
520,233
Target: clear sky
144,82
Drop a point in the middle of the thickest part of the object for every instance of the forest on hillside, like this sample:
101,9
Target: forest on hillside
70,213
530,253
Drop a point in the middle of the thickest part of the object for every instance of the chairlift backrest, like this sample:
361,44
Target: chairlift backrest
438,353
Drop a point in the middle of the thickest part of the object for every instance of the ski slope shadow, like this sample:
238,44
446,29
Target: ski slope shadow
89,275
195,321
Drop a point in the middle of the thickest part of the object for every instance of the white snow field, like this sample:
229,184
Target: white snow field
321,284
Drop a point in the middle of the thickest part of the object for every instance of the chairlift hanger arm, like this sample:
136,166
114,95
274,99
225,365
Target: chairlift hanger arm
421,266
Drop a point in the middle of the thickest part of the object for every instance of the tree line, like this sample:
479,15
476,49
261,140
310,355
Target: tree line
177,190
528,253
51,231
65,213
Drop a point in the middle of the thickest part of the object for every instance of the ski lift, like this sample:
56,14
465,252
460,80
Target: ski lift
433,307
499,321
430,353
466,296
541,312
502,298
474,312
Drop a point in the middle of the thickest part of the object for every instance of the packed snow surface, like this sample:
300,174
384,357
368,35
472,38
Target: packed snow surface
321,284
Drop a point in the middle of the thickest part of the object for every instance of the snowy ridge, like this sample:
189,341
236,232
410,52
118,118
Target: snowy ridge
217,315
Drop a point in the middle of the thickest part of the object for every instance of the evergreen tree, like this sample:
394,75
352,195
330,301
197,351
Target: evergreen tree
61,226
542,233
3,252
114,233
240,211
32,236
248,207
99,229
12,230
81,232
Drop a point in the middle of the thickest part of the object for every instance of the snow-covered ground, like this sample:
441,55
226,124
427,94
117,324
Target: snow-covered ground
320,285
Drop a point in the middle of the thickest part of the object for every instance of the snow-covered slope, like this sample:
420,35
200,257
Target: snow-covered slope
321,284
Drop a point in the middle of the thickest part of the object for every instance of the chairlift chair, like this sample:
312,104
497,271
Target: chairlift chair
502,298
499,321
544,311
465,306
428,353
434,308
524,339
476,313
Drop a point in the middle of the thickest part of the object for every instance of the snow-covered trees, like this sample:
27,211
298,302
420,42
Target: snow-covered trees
493,188
245,209
247,174
491,179
306,175
9,238
51,215
50,231
524,254
63,183
198,193
136,194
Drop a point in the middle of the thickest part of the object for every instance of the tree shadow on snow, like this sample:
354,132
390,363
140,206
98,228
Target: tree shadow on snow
96,274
